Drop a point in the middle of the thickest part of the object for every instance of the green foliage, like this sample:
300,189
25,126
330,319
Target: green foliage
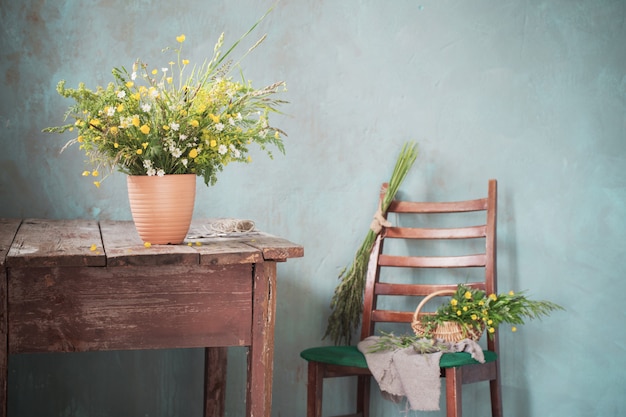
176,118
472,307
389,341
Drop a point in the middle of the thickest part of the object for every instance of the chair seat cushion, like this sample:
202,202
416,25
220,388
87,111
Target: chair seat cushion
351,356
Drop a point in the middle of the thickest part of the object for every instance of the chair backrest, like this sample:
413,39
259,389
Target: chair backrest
464,246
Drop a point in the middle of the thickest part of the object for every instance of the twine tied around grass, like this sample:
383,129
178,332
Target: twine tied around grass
379,221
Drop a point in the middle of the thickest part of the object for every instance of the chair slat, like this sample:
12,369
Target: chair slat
413,290
466,261
472,232
390,316
443,207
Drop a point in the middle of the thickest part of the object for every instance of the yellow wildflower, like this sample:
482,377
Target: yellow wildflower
511,293
120,108
114,130
154,71
465,308
185,61
214,118
129,84
147,245
213,143
145,129
139,151
95,173
249,158
193,153
490,322
86,173
194,123
97,184
93,247
493,297
116,145
136,122
491,330
166,127
276,135
169,80
458,313
468,294
136,96
180,39
454,301
145,144
80,139
513,329
474,317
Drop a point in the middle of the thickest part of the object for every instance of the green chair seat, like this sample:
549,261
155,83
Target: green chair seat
351,356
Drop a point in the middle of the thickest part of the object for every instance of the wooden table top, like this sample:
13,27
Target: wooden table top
51,243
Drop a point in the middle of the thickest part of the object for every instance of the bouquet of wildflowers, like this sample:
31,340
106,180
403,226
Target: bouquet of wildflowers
176,118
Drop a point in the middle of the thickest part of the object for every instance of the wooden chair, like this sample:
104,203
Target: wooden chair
457,368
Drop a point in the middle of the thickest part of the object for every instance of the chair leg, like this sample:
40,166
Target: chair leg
363,395
454,382
496,394
315,389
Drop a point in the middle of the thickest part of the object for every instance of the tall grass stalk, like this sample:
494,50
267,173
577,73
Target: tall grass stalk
347,301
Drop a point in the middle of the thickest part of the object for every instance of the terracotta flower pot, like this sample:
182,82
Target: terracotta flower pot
162,207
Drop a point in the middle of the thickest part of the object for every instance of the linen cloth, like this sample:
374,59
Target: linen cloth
404,373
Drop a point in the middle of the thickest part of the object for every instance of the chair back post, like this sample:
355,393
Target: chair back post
371,278
491,277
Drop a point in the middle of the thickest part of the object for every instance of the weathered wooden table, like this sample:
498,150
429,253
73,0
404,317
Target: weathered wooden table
80,285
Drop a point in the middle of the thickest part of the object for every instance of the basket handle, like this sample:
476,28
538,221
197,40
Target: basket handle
428,298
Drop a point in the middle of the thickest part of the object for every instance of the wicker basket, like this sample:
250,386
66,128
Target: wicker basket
448,331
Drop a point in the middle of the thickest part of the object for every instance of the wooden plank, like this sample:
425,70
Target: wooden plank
275,248
134,307
271,248
8,229
125,247
57,243
224,251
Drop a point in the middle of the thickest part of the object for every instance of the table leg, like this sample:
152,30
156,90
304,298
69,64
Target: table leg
215,361
4,345
261,353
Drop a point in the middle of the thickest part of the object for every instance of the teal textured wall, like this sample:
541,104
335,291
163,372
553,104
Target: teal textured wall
530,92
